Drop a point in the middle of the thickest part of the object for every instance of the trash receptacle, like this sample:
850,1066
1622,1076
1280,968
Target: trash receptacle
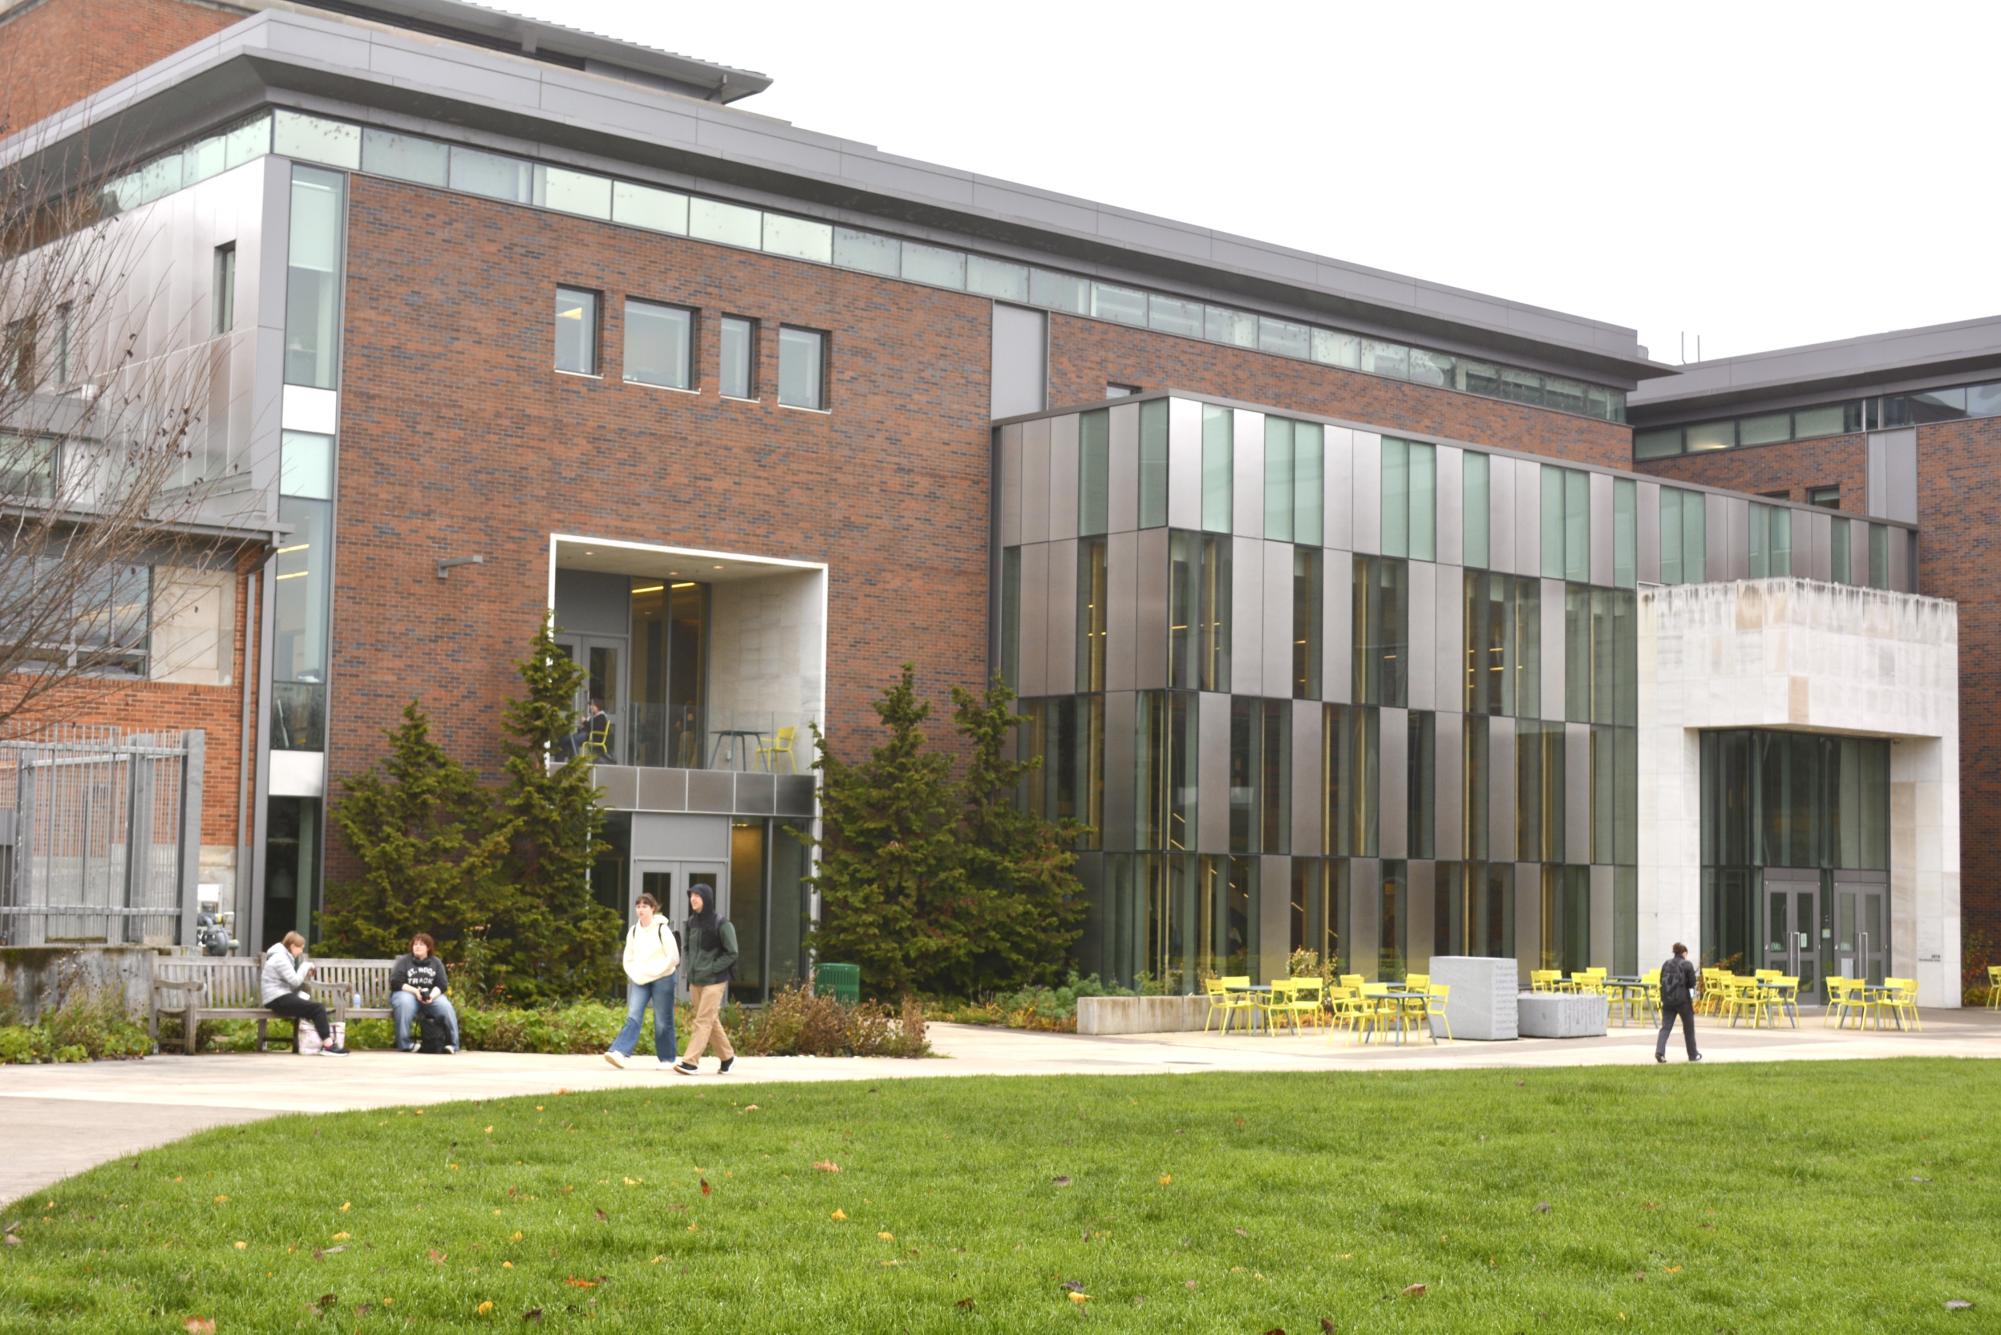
842,982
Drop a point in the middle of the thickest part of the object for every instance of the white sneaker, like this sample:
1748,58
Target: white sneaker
449,1049
616,1059
666,1063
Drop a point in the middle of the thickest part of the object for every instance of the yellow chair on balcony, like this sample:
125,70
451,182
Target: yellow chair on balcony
781,745
1994,987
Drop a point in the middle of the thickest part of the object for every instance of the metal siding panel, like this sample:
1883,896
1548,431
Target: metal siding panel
1555,680
1393,791
1448,769
1150,630
1008,521
1121,719
1879,477
1528,519
1274,915
1601,529
1306,796
1063,477
1035,480
1420,904
1365,903
1500,513
1451,509
1212,773
1501,789
1247,606
1528,920
1124,475
1277,620
1601,913
1338,508
1821,538
1184,463
1647,531
1337,588
1423,647
1901,461
1034,648
1577,793
1121,611
1368,494
1900,560
1019,382
1449,648
1247,479
1737,517
1858,552
1060,677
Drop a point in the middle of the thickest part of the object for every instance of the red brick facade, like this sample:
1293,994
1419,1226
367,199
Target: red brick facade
1085,354
59,52
1959,553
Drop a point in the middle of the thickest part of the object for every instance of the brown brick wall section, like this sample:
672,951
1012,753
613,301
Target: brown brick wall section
59,52
458,438
138,706
1959,544
1085,354
1795,467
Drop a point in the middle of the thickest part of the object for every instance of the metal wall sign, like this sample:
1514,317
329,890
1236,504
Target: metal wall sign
100,835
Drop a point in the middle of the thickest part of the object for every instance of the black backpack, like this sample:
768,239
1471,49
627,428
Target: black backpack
436,1034
1674,982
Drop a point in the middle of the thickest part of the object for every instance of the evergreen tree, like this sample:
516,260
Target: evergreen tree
552,926
429,847
891,884
1026,905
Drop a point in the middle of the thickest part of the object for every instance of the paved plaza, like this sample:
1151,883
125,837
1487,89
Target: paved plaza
60,1120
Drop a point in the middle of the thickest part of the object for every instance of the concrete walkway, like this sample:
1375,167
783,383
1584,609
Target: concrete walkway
60,1120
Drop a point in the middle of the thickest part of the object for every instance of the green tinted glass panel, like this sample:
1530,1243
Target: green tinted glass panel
1153,463
1552,522
1473,490
1694,537
1309,473
1576,525
1278,479
1423,502
1625,536
1670,535
1218,458
1094,472
1396,497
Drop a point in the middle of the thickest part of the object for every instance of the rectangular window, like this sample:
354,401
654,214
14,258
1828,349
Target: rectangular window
1423,502
1421,781
799,238
643,206
1222,325
1827,498
867,252
739,350
1306,611
1332,349
730,224
1282,337
1010,618
1388,359
1218,462
1625,534
1670,527
1576,526
997,278
27,470
1552,522
1172,315
1094,473
223,291
312,278
659,344
491,175
1396,497
1432,368
1473,491
1309,471
1198,630
1694,538
404,157
1764,429
1123,305
1278,479
1831,420
1838,553
576,331
1662,443
1058,291
1780,549
1879,556
934,265
1381,630
802,368
1153,463
1091,613
1115,390
1711,436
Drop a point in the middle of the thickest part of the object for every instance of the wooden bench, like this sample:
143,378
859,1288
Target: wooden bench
194,988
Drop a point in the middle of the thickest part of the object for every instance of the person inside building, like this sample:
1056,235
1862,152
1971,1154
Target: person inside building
651,958
711,960
594,737
284,985
417,986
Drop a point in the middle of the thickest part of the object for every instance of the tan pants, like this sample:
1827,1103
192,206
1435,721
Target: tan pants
708,1023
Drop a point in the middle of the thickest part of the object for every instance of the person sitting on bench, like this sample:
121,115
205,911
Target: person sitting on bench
285,994
417,986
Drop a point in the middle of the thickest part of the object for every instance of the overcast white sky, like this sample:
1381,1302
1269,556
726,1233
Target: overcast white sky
1761,174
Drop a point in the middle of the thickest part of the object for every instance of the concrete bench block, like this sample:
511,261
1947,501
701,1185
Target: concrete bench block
1481,1004
1140,1015
1560,1015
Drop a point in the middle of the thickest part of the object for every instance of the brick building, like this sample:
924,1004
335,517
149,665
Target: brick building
526,320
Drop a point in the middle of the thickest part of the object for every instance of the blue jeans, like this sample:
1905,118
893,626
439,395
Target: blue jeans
403,1009
660,995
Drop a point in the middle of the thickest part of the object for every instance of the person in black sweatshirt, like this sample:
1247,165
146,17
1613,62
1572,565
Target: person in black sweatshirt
417,984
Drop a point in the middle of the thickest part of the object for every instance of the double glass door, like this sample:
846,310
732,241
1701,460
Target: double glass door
670,882
1793,927
1861,927
602,658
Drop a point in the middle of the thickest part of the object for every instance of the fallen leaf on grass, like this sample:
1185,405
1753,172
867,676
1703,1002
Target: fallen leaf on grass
532,1314
1167,1179
576,1283
198,1325
885,1237
340,1237
828,1166
485,1308
692,1228
1957,1305
345,1206
1542,1207
1241,1232
326,1303
437,1257
13,1241
964,1304
603,1218
515,1236
1674,1270
489,1131
1188,1284
838,1215
242,1246
222,1200
1326,1326
1060,1181
1414,1291
705,1186
748,1107
507,1265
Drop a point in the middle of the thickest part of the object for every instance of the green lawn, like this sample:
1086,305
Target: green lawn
1826,1196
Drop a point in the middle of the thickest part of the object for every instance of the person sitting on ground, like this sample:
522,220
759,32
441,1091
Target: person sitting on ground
417,986
284,985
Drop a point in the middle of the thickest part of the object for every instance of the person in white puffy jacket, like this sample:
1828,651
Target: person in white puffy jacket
652,956
284,990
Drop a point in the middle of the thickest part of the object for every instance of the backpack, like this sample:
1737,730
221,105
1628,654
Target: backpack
1674,982
436,1034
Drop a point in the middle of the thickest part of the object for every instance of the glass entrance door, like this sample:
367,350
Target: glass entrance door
1792,926
1861,928
669,882
603,661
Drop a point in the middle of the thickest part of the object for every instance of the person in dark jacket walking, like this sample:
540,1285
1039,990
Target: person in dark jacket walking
1678,980
711,956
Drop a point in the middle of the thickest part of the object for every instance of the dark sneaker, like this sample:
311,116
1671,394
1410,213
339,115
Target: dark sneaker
332,1050
1696,1058
1661,1058
683,1068
724,1069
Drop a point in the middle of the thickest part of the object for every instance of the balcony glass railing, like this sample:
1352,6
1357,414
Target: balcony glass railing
663,736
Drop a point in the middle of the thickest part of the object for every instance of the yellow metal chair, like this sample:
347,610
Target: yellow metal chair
1343,1008
1296,1000
1544,980
1588,980
1710,999
781,745
1786,998
1224,1002
1417,982
1650,1000
1994,987
1843,999
1766,975
1435,997
1375,1009
1901,1001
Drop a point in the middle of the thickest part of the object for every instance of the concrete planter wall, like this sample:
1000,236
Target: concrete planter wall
1140,1015
37,975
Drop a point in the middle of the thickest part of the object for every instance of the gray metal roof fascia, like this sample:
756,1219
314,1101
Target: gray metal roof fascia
1820,369
471,86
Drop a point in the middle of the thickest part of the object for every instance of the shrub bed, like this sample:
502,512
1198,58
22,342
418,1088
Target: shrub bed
1050,1009
87,1026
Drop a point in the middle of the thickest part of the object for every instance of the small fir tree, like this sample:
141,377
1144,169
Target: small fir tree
1025,905
890,879
553,922
429,846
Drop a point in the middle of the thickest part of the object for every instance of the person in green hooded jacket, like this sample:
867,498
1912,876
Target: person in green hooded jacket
709,956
